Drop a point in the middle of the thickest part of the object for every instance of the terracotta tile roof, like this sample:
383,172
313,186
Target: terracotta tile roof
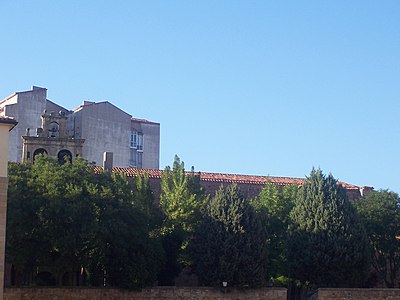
224,178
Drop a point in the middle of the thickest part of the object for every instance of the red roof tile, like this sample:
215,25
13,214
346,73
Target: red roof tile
224,178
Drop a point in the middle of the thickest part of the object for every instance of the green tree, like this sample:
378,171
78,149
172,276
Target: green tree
327,244
380,212
182,197
26,243
68,218
181,202
273,205
125,255
57,203
230,244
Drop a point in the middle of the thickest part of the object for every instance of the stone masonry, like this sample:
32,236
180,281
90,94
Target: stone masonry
158,293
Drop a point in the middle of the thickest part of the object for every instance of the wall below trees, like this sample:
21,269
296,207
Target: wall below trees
148,294
356,294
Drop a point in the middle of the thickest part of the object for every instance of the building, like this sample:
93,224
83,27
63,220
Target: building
250,185
6,124
88,131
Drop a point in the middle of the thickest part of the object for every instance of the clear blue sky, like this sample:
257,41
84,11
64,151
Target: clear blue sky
249,87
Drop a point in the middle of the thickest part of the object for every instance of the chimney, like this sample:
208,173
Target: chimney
108,161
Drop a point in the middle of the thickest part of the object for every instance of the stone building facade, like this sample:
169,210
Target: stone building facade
51,139
102,126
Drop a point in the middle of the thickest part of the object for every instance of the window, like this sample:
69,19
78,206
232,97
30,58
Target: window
133,161
139,159
136,158
133,143
140,142
136,141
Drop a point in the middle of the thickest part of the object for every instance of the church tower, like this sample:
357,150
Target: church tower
51,139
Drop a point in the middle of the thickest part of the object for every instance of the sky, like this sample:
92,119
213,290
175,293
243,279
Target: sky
247,87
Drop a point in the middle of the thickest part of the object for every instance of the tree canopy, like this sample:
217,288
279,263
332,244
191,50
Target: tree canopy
380,212
230,244
68,217
327,244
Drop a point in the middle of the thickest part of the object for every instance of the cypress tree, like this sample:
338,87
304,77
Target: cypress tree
327,244
230,244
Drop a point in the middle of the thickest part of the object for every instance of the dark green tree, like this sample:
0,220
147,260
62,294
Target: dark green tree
273,207
26,244
57,203
327,244
125,255
230,244
70,219
380,212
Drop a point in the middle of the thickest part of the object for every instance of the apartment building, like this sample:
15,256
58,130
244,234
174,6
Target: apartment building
88,131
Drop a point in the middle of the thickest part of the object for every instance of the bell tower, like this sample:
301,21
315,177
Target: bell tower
51,139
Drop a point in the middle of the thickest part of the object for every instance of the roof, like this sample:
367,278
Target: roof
8,120
144,121
224,178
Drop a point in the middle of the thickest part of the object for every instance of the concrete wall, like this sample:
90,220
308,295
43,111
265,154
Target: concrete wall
151,143
26,107
148,294
356,294
105,128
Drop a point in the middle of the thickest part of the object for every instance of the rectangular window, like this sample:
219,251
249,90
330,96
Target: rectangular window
134,139
136,158
140,141
133,160
139,159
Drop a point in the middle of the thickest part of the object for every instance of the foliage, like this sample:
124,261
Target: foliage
182,197
327,244
67,217
181,201
380,212
273,207
230,244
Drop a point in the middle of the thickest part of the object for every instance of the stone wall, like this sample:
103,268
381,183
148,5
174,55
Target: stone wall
148,294
3,213
356,294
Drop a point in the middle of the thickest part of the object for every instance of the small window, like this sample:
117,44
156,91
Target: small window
134,138
136,141
140,142
133,161
139,159
136,158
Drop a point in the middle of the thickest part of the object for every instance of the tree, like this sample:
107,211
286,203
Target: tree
273,206
182,197
56,201
125,254
181,202
70,219
380,212
26,243
327,244
230,244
